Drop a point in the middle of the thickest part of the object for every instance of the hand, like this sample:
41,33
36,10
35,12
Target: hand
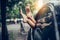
45,24
41,20
38,24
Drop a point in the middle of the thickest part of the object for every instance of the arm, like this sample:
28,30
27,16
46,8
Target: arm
29,21
45,24
44,21
31,18
24,16
41,20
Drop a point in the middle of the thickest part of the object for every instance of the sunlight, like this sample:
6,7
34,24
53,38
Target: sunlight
39,4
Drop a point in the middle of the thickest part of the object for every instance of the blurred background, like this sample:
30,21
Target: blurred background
18,30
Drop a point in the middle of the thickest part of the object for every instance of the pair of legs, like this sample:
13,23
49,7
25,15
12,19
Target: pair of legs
48,33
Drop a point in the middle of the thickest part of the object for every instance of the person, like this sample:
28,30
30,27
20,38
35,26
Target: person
30,20
48,31
28,17
41,25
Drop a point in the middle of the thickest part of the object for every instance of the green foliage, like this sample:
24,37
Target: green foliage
13,8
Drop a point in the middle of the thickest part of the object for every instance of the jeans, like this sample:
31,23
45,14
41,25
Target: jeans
42,34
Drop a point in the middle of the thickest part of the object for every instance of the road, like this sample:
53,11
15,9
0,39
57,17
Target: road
14,30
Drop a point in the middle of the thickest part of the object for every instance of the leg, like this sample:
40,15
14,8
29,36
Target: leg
29,35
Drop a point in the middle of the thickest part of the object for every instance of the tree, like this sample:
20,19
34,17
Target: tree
14,5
